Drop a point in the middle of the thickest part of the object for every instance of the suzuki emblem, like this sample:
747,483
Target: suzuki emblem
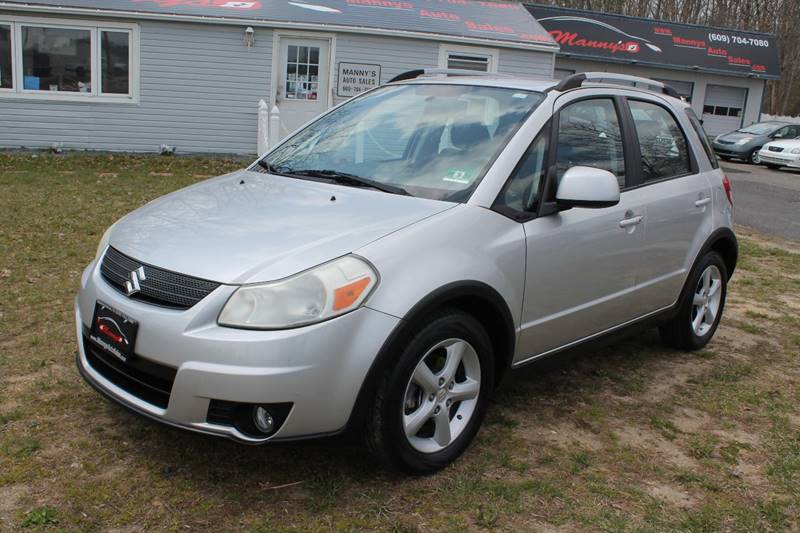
136,276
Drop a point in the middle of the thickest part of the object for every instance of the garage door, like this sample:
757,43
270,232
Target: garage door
723,108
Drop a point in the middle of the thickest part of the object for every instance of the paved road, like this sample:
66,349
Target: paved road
766,200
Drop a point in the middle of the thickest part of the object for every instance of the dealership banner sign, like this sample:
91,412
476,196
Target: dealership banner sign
591,35
484,19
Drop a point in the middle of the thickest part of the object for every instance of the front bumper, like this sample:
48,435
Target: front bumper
779,158
319,369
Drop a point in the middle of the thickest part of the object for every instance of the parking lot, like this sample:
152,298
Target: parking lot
634,436
766,200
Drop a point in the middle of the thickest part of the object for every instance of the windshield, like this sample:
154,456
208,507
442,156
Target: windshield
760,129
429,140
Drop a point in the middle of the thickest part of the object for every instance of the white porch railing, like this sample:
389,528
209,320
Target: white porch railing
269,126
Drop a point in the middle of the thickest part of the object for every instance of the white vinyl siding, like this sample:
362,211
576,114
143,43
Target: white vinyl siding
199,91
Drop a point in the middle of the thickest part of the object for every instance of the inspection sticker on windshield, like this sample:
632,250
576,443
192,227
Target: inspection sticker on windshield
519,95
456,175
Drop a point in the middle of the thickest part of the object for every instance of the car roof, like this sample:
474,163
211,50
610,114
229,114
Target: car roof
527,84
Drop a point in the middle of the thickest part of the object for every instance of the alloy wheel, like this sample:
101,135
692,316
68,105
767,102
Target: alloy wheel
707,300
441,395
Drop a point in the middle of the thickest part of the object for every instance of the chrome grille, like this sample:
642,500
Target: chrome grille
160,287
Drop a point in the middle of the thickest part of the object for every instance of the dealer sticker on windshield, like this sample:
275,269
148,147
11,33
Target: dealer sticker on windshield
457,175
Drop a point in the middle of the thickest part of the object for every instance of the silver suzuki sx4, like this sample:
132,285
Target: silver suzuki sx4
384,267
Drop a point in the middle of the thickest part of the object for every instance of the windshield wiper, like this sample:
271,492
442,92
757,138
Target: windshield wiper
344,178
263,163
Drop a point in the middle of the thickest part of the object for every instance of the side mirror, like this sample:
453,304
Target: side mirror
587,187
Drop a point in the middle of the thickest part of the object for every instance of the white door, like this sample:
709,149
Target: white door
302,91
723,109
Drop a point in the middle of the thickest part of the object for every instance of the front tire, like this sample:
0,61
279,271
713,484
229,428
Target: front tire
754,158
701,305
430,404
773,167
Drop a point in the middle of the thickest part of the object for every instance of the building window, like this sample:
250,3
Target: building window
56,59
115,62
722,111
302,72
74,60
6,78
468,58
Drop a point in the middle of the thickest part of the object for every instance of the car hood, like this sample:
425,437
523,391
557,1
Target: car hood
249,227
736,135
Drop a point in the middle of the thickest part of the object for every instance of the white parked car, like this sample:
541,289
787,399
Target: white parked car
785,153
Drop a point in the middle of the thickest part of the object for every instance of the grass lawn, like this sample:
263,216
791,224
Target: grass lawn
631,437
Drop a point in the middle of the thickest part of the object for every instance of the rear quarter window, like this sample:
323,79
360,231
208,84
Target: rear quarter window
698,128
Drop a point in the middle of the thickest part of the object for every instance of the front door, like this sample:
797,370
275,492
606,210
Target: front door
582,263
302,91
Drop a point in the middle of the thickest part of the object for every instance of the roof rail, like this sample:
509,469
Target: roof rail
416,73
576,80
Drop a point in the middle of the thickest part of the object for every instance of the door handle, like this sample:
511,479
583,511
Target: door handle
632,221
703,201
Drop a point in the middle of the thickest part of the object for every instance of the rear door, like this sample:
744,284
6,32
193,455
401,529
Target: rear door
677,196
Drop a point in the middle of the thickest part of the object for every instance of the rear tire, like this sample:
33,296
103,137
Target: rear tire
725,158
431,402
701,305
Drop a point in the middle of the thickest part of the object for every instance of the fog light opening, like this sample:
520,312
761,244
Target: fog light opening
263,419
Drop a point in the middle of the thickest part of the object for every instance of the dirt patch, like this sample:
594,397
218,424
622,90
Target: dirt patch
750,474
690,420
652,443
671,495
567,435
11,497
669,376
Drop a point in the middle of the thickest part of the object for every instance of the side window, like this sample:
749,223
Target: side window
589,135
782,133
698,128
787,132
665,151
520,193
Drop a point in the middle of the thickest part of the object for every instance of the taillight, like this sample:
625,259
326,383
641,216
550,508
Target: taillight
726,184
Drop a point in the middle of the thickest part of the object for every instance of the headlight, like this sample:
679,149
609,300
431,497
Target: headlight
326,291
744,140
101,247
795,151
